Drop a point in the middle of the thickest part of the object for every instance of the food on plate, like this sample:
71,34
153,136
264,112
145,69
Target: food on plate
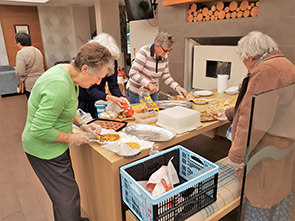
122,114
208,114
110,137
200,100
232,101
130,112
188,97
223,106
133,145
126,113
179,98
216,100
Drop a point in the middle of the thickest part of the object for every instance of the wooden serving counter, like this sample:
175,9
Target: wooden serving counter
97,169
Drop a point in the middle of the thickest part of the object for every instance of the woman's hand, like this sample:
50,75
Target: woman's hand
153,88
222,117
92,128
117,100
181,91
236,166
78,139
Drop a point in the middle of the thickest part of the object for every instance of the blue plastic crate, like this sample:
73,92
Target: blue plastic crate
197,188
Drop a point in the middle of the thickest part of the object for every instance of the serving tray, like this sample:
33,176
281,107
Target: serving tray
115,125
165,104
149,132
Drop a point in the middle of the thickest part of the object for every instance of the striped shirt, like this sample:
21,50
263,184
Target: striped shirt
147,68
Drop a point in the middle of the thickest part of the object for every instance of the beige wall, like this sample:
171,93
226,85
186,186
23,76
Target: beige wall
57,33
275,18
142,32
64,30
81,25
108,21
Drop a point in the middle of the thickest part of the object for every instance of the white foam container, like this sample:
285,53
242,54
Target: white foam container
179,119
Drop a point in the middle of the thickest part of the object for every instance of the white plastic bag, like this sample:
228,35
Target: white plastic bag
86,117
162,180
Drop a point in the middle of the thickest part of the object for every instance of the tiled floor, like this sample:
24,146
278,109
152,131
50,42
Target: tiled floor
22,197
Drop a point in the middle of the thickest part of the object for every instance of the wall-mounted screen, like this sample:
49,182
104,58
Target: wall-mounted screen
139,9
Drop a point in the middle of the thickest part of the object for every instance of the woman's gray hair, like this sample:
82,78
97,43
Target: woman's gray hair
109,42
94,55
164,39
255,44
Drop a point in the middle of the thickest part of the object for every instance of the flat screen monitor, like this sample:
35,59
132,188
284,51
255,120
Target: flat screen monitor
139,9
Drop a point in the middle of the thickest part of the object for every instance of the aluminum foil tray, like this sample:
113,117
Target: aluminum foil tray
149,132
165,104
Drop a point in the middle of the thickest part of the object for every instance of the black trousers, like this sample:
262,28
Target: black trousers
57,177
27,93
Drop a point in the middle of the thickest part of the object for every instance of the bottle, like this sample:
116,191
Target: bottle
120,79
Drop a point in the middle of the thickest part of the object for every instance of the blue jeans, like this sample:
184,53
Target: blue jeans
134,98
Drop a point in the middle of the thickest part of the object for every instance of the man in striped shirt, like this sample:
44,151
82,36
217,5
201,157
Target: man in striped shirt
151,63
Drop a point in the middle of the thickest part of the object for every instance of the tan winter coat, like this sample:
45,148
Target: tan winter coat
268,182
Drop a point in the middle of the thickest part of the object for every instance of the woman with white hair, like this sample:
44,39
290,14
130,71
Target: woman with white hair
87,97
268,70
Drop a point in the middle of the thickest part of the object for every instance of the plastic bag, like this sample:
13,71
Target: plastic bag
162,180
86,117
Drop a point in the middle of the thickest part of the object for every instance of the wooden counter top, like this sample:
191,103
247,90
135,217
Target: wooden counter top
97,169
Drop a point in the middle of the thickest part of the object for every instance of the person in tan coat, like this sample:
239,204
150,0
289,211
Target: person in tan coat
29,61
269,182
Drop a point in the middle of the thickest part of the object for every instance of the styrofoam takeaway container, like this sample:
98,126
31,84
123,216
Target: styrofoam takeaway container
179,119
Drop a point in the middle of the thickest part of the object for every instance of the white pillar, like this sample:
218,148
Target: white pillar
108,18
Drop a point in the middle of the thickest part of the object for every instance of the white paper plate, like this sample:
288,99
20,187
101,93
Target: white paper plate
130,155
232,90
232,93
200,101
203,93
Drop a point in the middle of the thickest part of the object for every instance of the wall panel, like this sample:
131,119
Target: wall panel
18,15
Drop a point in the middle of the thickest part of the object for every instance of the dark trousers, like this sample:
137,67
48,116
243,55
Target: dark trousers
57,177
27,93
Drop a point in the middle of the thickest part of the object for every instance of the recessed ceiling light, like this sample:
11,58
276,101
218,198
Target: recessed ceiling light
28,1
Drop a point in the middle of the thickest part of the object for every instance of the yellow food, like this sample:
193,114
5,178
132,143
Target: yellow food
133,145
199,100
216,100
179,98
108,137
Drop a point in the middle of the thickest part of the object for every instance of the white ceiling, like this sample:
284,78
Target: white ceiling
54,2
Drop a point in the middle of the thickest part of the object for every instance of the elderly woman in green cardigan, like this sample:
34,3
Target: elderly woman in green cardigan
52,110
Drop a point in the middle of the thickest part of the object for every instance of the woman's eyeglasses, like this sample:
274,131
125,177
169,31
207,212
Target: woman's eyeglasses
165,50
